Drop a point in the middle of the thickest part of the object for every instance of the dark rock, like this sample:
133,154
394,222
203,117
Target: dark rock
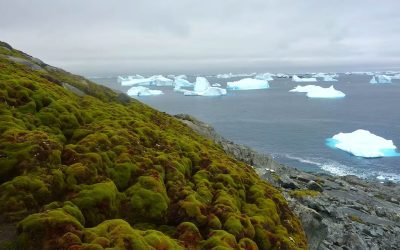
25,62
312,185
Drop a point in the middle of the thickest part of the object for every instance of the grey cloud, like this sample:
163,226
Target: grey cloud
99,37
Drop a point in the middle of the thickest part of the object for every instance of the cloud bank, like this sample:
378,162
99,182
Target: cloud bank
99,37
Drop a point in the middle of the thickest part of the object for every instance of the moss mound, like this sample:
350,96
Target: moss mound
82,167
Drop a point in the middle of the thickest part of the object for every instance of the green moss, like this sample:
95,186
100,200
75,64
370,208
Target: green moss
45,230
303,193
91,156
22,194
97,202
118,234
148,199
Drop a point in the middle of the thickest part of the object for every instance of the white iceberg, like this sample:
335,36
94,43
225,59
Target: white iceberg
157,80
265,76
202,88
364,144
314,91
380,79
295,78
216,85
143,91
247,84
181,82
329,78
326,77
281,75
395,77
230,75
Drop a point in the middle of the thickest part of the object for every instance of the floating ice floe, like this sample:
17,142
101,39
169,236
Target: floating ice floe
265,76
248,84
202,88
216,85
157,80
380,79
143,91
395,77
314,91
364,144
295,78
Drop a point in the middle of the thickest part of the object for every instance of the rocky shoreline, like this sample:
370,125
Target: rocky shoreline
336,212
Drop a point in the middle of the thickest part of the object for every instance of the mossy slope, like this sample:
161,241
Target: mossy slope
97,170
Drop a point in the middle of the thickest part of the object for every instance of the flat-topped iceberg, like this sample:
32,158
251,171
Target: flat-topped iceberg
202,88
157,80
248,84
143,91
380,79
363,143
314,91
295,78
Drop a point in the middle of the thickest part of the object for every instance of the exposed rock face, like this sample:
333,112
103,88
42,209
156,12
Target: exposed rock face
336,212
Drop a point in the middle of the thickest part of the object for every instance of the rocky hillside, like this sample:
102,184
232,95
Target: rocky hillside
82,167
336,212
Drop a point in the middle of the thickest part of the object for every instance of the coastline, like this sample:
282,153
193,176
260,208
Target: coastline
337,212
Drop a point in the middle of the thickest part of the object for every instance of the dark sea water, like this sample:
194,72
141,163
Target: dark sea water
294,128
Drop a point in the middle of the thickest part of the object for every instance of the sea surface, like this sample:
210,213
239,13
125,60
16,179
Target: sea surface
293,128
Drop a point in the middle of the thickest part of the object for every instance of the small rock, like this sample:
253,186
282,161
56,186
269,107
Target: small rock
312,185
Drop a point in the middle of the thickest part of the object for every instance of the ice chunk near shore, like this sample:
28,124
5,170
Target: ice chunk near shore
202,88
143,91
363,143
314,91
380,79
248,84
295,78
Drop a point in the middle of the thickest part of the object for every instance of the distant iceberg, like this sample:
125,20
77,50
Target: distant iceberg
380,79
363,143
248,84
143,91
216,85
265,76
181,82
157,80
295,78
281,75
202,88
314,91
395,77
329,78
326,77
230,75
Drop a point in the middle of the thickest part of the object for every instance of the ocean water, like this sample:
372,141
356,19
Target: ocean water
293,128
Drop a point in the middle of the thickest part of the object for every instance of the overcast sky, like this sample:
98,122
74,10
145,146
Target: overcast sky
103,37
